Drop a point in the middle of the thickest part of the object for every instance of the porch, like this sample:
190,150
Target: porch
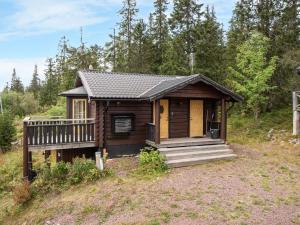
177,122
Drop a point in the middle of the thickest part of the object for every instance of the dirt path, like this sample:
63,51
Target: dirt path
260,187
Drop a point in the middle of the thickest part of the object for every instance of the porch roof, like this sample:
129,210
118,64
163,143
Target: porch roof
104,85
79,91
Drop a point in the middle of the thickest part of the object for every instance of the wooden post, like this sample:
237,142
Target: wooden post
223,119
296,115
25,150
157,121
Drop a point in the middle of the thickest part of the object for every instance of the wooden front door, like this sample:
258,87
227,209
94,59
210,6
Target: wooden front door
196,118
164,118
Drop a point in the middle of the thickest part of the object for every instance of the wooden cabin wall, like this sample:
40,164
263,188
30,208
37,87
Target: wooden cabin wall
198,90
127,144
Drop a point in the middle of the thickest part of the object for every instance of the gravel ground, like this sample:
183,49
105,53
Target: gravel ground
259,187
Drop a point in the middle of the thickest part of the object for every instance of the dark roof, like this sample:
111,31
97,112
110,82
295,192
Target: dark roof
103,85
79,91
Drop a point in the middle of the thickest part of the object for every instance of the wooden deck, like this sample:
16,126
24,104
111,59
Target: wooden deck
40,134
181,142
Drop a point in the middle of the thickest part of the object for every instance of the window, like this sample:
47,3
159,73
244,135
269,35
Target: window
122,123
79,108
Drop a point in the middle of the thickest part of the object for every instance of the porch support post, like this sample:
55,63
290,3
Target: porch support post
223,119
157,121
25,150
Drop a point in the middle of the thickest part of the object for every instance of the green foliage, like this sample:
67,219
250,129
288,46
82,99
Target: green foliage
10,170
151,162
62,175
29,104
7,131
49,91
19,104
253,72
244,129
57,110
210,47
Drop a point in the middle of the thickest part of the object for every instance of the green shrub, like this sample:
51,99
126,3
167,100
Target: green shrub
59,109
62,175
83,170
151,162
7,131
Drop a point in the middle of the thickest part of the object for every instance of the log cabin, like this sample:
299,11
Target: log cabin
184,117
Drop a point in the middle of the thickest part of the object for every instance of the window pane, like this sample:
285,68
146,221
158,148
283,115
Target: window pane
123,124
79,109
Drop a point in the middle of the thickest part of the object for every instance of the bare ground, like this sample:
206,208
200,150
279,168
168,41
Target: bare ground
262,186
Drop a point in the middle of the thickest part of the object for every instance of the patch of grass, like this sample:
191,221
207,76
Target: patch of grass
153,222
192,215
240,210
174,206
165,216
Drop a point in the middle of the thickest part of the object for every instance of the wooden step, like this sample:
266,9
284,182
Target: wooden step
192,142
194,154
193,148
198,160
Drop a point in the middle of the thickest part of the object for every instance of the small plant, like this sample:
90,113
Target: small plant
21,192
151,162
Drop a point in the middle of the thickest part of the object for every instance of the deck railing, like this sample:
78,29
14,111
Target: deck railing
59,131
151,132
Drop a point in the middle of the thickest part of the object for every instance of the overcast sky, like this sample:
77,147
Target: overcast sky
30,29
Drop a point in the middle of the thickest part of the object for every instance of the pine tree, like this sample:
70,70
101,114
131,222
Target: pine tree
16,83
184,18
210,49
35,85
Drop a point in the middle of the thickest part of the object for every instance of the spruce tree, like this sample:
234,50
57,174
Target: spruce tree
35,85
16,83
49,91
241,24
210,48
186,14
160,31
126,28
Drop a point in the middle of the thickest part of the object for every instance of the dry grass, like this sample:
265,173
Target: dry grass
262,186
